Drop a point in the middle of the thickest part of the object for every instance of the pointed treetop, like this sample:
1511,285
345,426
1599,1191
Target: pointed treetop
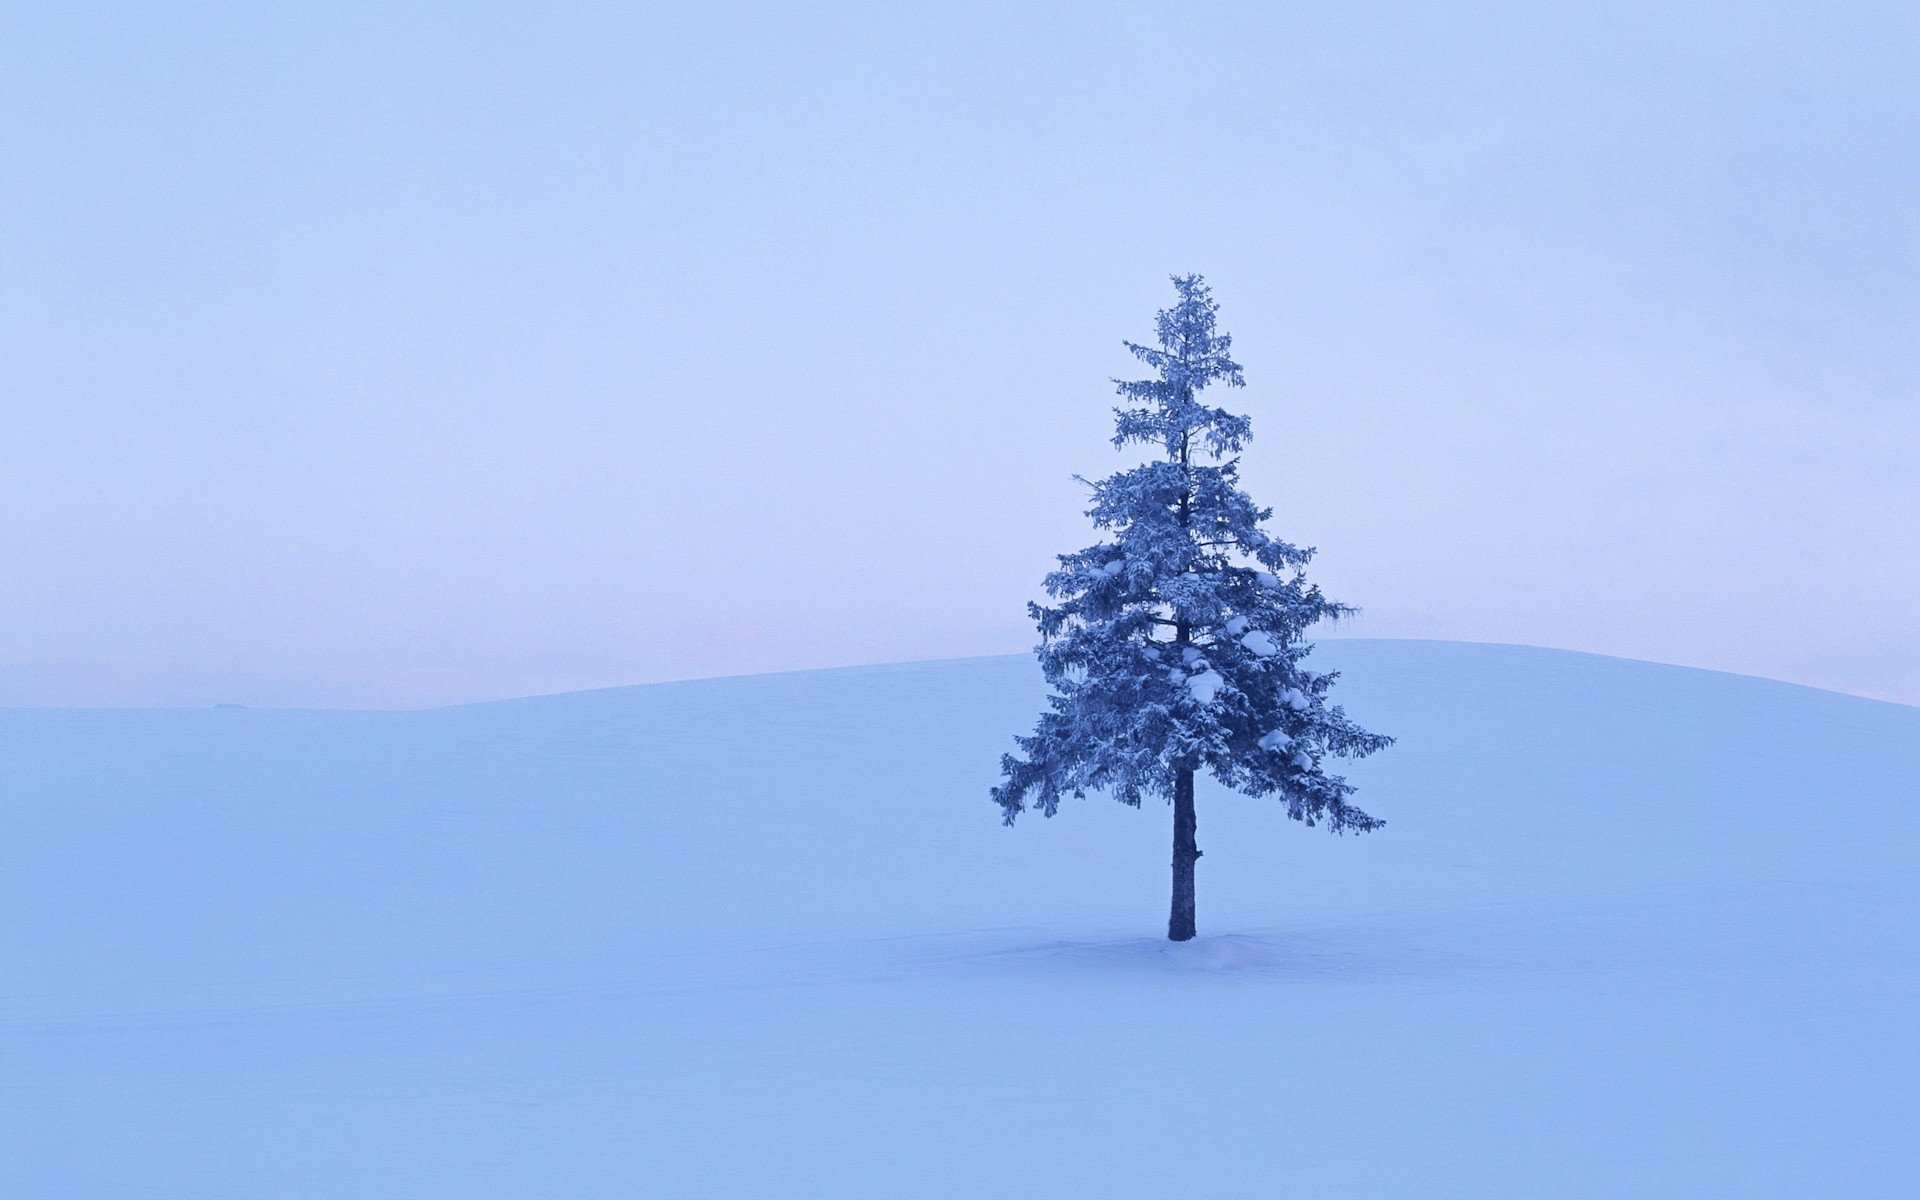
1166,410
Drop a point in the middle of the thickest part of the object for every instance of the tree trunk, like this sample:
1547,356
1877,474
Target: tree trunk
1180,924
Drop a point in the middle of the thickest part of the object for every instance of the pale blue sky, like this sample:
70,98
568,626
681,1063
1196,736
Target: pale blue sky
399,353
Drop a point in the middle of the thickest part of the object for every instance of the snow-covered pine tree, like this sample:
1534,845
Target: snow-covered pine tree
1177,645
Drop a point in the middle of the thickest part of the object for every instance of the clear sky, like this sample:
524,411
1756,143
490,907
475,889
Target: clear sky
393,353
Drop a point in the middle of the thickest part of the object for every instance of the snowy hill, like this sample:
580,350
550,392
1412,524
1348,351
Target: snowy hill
1630,930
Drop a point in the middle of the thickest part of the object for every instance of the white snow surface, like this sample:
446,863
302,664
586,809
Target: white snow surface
1260,643
1205,686
766,937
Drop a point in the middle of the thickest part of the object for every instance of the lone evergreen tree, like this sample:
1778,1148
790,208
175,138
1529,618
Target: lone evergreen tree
1177,644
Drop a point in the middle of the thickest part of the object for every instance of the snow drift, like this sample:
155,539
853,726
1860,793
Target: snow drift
1629,930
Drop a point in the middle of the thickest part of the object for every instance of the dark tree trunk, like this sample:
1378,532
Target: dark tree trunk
1180,924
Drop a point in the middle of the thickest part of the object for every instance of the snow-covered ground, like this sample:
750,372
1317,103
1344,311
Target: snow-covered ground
1630,931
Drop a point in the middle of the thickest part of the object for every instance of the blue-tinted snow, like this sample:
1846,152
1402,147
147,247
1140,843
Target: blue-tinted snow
1630,930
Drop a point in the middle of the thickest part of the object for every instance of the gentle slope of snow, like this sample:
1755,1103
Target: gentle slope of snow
1630,930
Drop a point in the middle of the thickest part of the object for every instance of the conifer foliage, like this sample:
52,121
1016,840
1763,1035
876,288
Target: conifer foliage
1177,644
